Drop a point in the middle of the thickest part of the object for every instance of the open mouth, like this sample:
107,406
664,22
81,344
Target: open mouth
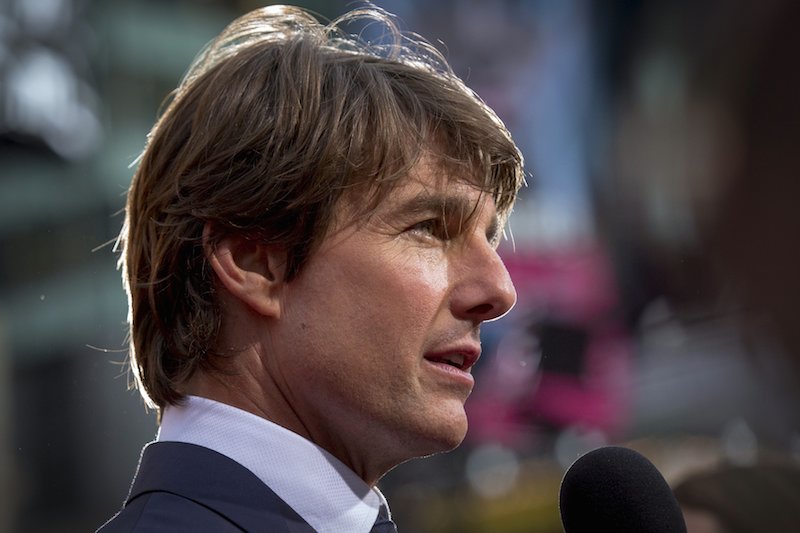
456,360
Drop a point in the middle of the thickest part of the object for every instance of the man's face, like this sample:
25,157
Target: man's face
379,330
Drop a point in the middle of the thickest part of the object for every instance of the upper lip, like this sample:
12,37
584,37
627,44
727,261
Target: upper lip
462,356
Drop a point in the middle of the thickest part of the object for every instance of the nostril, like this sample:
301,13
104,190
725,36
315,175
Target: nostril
482,309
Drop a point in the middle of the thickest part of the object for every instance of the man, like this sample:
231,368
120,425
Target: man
309,251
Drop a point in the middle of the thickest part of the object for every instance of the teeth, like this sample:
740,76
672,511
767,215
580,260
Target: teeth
456,360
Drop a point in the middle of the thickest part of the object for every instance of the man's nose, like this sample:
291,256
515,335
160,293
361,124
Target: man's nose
484,289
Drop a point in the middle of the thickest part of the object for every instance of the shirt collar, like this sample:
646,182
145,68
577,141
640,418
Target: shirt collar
319,487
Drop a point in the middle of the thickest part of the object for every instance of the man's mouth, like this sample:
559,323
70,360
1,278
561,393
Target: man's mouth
457,360
462,358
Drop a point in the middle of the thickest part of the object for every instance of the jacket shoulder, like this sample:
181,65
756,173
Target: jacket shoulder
184,487
163,511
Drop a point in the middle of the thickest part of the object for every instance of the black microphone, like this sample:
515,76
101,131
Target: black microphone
617,490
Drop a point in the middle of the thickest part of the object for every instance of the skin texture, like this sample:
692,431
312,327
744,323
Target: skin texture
349,354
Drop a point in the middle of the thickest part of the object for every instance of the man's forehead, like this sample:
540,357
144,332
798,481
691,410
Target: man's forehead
430,176
426,191
428,186
455,197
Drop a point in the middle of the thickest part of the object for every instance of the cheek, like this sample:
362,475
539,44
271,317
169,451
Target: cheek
422,271
387,276
371,301
408,293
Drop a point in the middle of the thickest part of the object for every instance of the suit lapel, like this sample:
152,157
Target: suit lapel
216,482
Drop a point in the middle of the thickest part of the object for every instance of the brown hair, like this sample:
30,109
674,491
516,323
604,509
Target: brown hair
276,119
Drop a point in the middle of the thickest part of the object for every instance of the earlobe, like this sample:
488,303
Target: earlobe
251,271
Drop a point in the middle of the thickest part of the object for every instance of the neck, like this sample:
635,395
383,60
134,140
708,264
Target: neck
243,391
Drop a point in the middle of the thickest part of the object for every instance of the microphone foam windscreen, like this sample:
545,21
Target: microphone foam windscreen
617,489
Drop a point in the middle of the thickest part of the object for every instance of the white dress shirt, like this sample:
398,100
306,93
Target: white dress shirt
319,487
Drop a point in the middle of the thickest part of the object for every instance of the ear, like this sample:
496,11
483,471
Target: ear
251,271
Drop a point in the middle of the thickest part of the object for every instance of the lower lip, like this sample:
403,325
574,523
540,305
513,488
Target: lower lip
452,373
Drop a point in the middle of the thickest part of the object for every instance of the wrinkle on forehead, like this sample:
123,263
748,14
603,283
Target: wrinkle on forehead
438,183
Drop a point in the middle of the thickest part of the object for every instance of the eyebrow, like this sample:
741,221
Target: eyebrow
449,205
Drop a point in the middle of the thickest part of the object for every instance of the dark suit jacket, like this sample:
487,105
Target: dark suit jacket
187,488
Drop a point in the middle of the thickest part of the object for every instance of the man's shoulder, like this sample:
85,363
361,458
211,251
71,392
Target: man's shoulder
185,487
163,511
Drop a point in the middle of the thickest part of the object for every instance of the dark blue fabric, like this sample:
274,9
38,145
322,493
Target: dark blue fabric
383,524
183,487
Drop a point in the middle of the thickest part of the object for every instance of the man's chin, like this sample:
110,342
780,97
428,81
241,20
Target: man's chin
446,437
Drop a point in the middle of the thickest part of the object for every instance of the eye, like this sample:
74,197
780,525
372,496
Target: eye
435,228
494,238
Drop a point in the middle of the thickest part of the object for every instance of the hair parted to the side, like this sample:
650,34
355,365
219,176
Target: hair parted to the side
275,122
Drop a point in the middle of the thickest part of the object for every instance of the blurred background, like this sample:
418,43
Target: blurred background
655,251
